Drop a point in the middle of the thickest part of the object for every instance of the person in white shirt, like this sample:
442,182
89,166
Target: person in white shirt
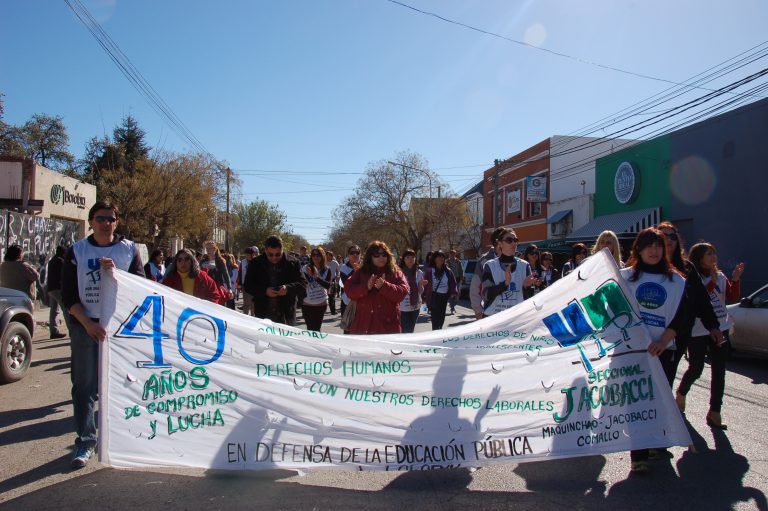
81,296
411,304
664,308
315,301
334,266
722,292
346,270
505,277
475,285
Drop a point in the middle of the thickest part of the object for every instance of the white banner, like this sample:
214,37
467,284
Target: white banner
185,382
513,201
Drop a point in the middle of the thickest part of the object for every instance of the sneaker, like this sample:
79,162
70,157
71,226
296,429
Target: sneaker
81,457
639,467
58,335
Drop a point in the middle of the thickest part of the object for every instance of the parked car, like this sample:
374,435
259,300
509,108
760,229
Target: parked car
750,319
468,265
17,325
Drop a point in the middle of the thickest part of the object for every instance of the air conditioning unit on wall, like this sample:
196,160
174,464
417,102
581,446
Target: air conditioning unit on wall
559,229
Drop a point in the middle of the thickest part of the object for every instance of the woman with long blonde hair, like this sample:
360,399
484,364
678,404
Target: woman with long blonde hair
609,240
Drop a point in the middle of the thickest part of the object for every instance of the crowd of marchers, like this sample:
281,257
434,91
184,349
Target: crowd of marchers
682,295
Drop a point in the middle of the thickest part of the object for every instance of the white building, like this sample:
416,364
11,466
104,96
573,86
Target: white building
572,180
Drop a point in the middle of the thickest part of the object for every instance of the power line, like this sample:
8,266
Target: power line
668,128
726,67
531,46
134,76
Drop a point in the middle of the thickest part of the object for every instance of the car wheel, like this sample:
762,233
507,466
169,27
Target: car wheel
15,352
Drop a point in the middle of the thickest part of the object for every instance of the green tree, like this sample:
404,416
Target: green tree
125,152
129,137
88,166
255,221
43,139
293,241
173,191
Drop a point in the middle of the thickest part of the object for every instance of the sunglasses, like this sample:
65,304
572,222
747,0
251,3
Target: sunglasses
509,240
274,256
379,254
316,254
535,253
183,259
105,219
354,252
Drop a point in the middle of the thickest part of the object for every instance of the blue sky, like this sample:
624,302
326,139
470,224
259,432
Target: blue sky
300,87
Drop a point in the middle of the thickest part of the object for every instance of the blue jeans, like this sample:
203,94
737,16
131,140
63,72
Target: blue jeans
408,320
85,383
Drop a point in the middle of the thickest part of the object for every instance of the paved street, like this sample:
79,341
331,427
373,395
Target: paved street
728,470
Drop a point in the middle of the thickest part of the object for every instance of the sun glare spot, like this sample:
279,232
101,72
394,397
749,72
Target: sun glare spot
535,35
692,180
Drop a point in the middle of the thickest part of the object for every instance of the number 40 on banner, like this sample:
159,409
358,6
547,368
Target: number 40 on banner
156,304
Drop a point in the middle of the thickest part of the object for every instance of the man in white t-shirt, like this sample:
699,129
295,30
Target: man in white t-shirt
81,296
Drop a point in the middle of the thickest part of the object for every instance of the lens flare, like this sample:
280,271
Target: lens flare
535,35
692,180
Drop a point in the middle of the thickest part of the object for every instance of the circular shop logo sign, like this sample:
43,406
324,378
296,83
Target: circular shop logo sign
651,295
57,193
626,183
536,182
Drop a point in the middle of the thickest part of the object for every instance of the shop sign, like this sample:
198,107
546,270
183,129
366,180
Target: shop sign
536,189
626,183
60,195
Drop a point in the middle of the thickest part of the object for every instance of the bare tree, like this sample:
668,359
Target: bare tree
398,201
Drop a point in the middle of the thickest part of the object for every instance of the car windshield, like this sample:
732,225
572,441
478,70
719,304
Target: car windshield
760,299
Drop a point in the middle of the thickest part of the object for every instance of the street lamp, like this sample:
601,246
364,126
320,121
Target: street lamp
420,170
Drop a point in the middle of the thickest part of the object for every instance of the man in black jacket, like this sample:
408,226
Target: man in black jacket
275,280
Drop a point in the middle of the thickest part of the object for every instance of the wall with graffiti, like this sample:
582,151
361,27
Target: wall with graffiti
36,235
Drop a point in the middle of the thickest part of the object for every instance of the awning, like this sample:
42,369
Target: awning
559,216
629,222
556,246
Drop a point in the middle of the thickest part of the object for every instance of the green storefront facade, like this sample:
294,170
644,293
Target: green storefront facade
710,179
651,161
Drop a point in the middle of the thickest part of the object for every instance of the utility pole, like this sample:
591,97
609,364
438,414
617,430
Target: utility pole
496,201
226,233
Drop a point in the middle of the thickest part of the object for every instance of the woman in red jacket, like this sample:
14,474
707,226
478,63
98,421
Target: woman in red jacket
378,286
184,274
